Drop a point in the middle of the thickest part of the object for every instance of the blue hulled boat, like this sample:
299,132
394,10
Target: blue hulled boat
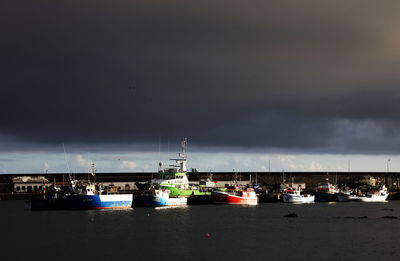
100,201
90,196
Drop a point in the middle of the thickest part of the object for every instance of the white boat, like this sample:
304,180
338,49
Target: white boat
161,197
291,195
375,196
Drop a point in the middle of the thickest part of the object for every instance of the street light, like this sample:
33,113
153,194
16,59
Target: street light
348,166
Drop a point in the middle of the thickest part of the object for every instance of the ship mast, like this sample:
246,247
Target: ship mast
71,179
93,171
182,157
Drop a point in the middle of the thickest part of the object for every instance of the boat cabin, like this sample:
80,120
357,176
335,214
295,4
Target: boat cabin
248,193
326,187
162,193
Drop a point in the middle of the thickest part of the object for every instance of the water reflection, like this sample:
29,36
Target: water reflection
169,207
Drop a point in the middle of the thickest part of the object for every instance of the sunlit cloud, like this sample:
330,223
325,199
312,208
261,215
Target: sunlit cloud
130,165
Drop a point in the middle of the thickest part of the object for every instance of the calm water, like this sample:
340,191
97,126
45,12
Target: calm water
321,232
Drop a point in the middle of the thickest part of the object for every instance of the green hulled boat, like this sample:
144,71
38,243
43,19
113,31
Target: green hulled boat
175,179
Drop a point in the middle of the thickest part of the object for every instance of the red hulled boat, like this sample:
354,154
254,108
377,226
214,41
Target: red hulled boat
234,195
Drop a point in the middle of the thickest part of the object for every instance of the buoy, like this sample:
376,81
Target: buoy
207,235
291,215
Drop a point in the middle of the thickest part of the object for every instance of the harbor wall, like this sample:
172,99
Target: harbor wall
390,179
268,180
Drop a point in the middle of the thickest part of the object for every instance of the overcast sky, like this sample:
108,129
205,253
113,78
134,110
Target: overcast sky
265,77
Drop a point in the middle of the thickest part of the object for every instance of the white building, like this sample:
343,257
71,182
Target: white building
28,184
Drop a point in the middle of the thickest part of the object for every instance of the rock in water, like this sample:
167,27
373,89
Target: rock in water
391,217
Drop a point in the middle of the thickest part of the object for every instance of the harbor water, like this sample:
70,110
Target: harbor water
322,231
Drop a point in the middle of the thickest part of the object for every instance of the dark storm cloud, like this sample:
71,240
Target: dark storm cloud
308,76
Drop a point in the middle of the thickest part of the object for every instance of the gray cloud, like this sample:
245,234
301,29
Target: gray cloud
301,76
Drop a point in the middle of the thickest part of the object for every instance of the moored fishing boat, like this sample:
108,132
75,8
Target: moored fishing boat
375,196
92,199
235,195
92,196
83,194
326,192
346,194
175,179
291,195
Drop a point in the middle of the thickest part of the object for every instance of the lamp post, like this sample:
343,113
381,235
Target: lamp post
387,173
348,166
269,167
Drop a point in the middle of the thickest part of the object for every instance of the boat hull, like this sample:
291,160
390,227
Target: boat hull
199,200
374,198
113,201
342,197
154,201
220,197
49,204
290,198
325,197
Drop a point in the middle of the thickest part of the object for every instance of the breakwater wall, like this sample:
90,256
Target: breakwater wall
390,179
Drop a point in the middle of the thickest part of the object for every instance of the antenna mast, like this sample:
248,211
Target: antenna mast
93,171
69,170
181,160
